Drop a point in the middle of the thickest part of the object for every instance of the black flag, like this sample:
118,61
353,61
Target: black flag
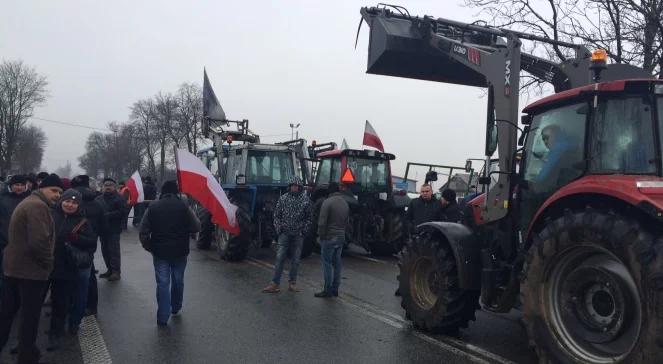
211,107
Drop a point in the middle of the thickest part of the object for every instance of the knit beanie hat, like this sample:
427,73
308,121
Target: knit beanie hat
169,187
53,180
42,175
108,179
449,195
17,178
71,194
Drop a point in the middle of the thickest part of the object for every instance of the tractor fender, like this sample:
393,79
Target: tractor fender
466,250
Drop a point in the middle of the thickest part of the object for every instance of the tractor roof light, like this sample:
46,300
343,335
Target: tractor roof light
599,62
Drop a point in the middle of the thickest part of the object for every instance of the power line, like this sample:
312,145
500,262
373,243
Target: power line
67,123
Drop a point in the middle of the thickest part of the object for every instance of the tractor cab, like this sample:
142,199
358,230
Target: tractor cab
365,171
609,132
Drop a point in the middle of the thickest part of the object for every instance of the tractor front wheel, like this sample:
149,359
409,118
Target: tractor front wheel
428,284
592,290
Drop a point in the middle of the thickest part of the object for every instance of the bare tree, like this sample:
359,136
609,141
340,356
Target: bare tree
167,133
117,154
189,112
144,118
21,90
630,31
30,144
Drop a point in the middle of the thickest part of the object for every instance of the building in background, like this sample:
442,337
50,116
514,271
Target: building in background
410,185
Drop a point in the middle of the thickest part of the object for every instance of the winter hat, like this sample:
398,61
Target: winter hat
17,178
108,179
52,180
82,180
42,175
71,194
169,187
449,195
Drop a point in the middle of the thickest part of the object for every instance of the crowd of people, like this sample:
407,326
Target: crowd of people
49,228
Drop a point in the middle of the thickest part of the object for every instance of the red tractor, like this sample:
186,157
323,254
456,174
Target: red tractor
377,211
571,231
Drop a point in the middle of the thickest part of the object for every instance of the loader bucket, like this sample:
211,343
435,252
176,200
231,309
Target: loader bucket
398,48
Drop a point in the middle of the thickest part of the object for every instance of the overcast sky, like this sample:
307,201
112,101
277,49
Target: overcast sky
270,62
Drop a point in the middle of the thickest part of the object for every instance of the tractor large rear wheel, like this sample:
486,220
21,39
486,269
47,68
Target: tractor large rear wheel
592,290
395,236
428,284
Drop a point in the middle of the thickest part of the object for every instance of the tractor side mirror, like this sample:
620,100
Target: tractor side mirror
468,166
431,176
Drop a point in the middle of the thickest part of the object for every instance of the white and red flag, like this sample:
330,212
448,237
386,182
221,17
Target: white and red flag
135,186
199,183
371,138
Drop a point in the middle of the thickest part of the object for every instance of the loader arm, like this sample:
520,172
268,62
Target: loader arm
442,50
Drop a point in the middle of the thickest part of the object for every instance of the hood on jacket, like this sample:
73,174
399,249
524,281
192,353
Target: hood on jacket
294,180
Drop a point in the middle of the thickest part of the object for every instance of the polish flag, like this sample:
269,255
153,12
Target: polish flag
371,138
135,187
199,183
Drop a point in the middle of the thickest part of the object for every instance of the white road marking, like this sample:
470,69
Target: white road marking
470,352
93,346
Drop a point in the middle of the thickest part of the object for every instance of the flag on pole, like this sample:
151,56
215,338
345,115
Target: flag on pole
371,138
344,145
211,107
135,186
199,183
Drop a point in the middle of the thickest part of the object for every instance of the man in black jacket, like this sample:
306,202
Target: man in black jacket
450,211
165,231
9,199
115,210
95,214
423,209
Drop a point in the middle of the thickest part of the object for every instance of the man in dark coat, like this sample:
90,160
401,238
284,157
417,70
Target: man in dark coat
423,209
9,199
150,194
332,222
165,231
94,212
450,211
115,210
28,262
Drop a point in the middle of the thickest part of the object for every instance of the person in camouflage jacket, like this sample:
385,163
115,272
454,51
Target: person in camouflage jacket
292,219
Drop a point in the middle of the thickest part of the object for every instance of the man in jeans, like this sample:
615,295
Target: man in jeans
164,231
334,215
292,218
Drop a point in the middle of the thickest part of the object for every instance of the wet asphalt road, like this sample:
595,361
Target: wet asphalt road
226,319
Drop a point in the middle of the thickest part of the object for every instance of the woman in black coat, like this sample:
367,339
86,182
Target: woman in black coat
70,276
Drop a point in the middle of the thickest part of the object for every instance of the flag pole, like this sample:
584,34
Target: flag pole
177,170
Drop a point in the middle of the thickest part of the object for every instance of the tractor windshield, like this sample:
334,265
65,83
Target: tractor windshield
371,174
329,170
622,140
269,167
